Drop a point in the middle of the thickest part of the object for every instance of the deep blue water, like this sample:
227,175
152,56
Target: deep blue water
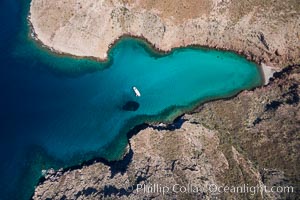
57,111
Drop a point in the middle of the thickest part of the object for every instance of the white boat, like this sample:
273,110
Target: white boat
136,91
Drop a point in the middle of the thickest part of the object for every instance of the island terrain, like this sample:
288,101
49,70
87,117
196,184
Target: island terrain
252,138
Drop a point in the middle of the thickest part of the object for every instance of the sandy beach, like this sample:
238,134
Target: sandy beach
267,72
248,139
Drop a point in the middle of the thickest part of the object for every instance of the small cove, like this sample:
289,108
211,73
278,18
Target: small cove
58,111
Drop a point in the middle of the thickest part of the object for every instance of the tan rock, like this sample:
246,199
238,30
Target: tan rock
87,28
247,140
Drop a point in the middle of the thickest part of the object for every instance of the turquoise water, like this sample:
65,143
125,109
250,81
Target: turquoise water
92,104
58,111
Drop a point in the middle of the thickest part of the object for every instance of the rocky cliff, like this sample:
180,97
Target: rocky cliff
264,31
251,139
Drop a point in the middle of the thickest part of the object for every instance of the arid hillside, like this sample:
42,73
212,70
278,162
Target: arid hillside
265,31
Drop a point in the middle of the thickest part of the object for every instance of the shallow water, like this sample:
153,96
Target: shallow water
58,111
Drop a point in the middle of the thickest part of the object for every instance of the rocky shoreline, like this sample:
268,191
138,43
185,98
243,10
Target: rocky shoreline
266,71
89,29
252,138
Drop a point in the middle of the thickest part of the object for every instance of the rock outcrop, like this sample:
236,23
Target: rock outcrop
264,31
251,139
